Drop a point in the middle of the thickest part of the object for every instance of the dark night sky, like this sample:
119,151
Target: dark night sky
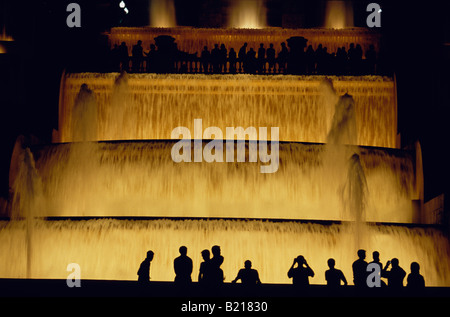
29,85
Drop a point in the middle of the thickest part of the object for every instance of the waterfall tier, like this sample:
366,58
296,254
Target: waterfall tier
150,106
113,249
139,178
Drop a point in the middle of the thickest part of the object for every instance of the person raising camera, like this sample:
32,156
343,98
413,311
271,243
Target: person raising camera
300,274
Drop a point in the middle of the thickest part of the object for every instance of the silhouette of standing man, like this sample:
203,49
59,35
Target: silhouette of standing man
242,56
137,56
300,274
360,270
376,259
204,275
216,261
271,58
123,56
183,268
144,270
415,279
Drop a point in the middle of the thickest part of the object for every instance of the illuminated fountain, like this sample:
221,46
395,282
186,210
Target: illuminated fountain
138,178
248,14
113,249
162,13
338,14
6,41
107,189
295,104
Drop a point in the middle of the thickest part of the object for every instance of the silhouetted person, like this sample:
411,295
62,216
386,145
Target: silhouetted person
358,59
216,261
115,58
323,60
331,62
415,281
151,58
204,275
352,58
261,58
334,276
232,59
282,58
242,56
223,59
326,61
183,268
396,274
371,59
123,56
376,260
215,58
360,270
248,276
310,60
137,56
270,53
205,58
300,274
341,61
250,62
144,269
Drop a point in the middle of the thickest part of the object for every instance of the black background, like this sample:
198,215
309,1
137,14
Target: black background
413,33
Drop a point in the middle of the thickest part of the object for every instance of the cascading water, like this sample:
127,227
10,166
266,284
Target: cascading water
343,126
113,249
338,14
139,178
162,13
151,106
353,191
28,201
343,132
84,117
248,14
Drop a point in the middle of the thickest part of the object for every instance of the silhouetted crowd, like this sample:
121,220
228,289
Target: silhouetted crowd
165,57
365,275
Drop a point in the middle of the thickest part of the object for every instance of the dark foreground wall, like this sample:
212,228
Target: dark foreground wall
268,299
103,288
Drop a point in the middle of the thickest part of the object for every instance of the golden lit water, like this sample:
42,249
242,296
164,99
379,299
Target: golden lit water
338,14
162,13
113,249
247,14
150,106
139,178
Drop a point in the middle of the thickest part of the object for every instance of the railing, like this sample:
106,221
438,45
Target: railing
195,65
